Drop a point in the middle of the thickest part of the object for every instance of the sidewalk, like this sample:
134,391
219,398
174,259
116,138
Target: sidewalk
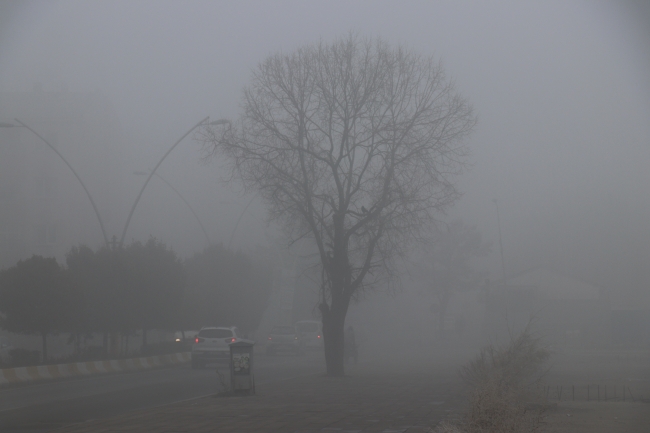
75,369
369,400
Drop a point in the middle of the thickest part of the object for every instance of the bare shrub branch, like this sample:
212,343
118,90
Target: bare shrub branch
502,379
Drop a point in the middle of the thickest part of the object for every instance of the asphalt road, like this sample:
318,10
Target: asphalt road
45,406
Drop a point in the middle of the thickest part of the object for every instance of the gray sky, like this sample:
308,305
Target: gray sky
562,91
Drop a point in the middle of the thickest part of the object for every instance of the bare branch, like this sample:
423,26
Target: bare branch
355,145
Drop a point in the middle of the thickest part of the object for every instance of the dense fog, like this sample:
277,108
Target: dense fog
562,143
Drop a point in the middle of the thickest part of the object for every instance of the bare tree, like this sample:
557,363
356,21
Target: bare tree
354,145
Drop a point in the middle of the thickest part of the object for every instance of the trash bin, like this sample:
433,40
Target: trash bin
241,367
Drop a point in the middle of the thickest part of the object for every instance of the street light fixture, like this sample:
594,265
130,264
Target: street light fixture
144,173
92,202
203,122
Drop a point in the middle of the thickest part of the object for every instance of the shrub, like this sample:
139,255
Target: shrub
504,380
22,357
513,367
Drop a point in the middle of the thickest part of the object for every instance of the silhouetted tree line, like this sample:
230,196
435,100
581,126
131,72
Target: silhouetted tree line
143,286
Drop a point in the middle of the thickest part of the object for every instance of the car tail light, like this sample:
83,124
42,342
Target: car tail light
318,335
230,340
199,340
270,338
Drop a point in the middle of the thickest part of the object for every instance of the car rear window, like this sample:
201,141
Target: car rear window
215,333
283,330
307,327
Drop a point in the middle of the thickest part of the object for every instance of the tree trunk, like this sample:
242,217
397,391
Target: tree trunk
44,338
333,340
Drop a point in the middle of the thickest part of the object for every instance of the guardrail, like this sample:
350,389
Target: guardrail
58,371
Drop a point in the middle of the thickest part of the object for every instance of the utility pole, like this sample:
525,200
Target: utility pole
503,265
90,197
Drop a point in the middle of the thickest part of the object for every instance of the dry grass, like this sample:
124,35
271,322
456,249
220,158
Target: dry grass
504,380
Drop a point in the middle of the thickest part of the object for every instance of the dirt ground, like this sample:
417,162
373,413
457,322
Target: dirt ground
599,417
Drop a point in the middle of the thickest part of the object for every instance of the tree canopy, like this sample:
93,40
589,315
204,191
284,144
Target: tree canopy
139,286
354,145
36,297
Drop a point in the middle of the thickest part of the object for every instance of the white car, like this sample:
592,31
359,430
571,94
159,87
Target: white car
212,344
310,333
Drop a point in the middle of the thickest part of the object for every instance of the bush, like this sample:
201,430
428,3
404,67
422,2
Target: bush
514,366
23,357
504,381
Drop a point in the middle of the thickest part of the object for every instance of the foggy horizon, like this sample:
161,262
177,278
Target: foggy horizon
560,90
420,216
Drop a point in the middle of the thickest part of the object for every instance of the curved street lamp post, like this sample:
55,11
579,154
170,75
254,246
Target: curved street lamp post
144,173
92,202
203,122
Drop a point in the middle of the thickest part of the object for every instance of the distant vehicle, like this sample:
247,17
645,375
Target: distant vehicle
5,348
190,336
284,339
211,345
310,332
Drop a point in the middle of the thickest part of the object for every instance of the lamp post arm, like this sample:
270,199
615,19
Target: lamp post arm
188,206
135,203
92,202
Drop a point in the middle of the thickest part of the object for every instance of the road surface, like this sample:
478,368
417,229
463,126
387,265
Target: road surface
45,406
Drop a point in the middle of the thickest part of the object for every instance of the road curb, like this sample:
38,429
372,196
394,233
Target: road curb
58,371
